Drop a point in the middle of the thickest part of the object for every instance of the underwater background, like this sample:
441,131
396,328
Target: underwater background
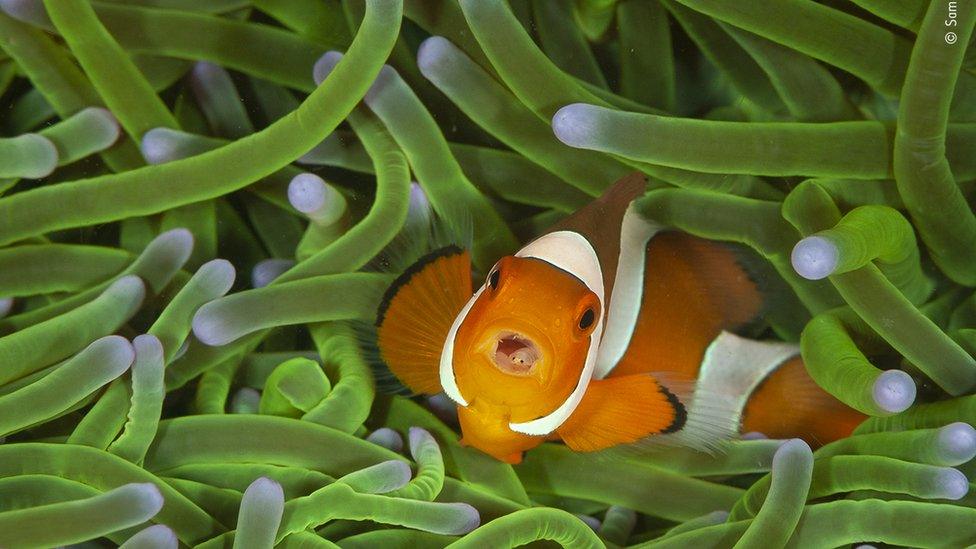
193,195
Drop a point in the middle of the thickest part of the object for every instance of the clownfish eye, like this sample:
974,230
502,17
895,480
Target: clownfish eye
587,319
493,279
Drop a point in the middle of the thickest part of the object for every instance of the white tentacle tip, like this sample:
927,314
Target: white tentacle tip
245,401
6,305
178,242
417,437
149,350
398,475
386,77
128,286
443,407
387,438
217,277
129,292
145,497
114,351
157,536
593,522
31,12
382,478
265,271
106,126
718,517
161,145
577,125
952,484
265,490
209,326
325,65
307,193
43,155
419,211
181,350
432,54
815,257
894,391
790,453
957,442
203,71
468,519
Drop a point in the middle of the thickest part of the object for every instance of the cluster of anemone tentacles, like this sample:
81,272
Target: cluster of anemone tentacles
153,148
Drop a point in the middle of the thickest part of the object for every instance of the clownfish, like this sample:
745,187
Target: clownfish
606,330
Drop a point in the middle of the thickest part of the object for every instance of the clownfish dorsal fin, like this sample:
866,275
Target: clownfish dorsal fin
600,222
416,315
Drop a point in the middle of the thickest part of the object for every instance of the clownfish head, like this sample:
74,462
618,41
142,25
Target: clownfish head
523,348
524,341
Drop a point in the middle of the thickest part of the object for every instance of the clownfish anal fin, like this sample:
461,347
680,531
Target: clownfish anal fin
622,410
416,315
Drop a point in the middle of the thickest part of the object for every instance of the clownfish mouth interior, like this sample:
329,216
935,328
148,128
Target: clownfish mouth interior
515,354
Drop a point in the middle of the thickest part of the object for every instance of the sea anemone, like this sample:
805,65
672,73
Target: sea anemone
202,205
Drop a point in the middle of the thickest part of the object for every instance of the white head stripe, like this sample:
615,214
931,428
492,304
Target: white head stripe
574,254
628,290
448,381
571,252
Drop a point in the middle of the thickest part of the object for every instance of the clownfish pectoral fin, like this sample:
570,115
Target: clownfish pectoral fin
622,410
416,315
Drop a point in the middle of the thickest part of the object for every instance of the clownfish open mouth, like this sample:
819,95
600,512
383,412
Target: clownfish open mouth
515,354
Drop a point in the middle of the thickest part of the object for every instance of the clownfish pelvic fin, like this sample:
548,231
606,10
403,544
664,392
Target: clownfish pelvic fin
622,410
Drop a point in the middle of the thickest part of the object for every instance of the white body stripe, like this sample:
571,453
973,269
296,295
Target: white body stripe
731,370
628,291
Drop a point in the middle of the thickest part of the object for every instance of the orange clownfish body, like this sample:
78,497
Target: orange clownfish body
606,330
